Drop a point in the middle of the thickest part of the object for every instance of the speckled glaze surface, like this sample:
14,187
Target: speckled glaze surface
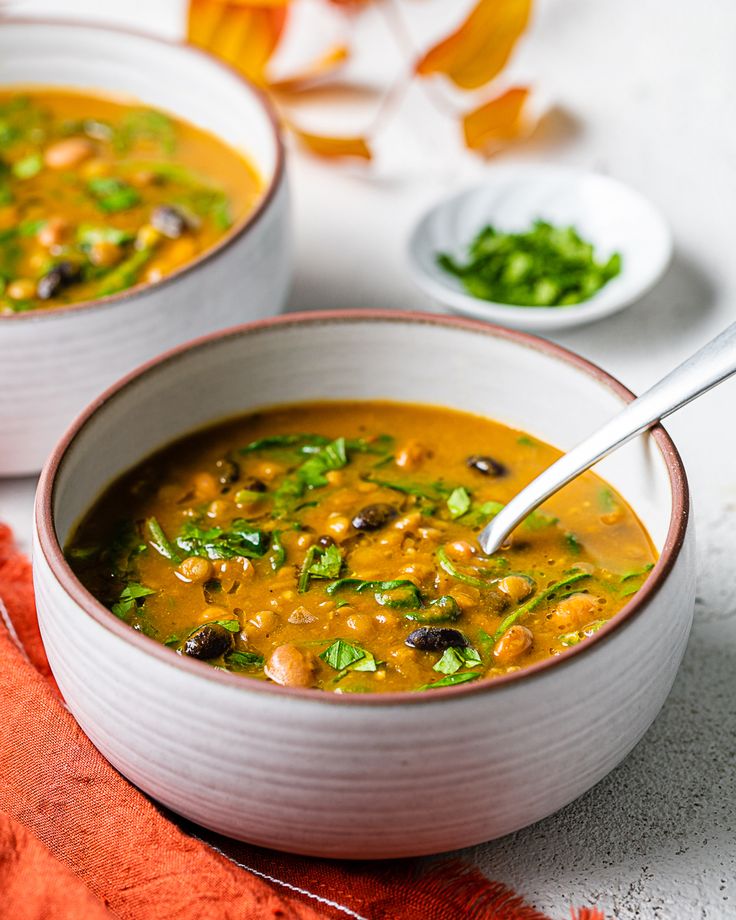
363,776
52,363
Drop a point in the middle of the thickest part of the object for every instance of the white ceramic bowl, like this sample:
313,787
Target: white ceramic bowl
612,216
380,775
52,362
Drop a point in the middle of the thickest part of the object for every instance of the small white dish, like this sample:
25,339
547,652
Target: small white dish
604,211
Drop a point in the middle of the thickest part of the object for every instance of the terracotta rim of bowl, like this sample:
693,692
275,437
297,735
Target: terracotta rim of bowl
232,235
52,551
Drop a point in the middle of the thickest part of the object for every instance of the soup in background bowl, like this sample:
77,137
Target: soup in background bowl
98,196
364,775
152,212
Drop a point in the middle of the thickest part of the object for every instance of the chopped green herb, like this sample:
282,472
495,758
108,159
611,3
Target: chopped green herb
342,654
444,609
475,580
319,563
451,680
539,520
28,167
128,598
455,658
573,544
160,542
244,661
241,539
113,195
232,626
543,267
458,503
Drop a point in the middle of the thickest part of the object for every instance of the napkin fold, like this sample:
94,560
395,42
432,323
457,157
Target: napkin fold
78,841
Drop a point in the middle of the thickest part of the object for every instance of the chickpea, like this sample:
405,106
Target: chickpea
460,550
334,477
513,644
205,485
365,487
104,253
194,570
305,540
573,612
416,571
142,178
465,601
265,620
267,470
21,289
411,455
68,153
217,508
409,522
147,237
239,568
516,587
338,525
53,232
214,612
360,625
291,667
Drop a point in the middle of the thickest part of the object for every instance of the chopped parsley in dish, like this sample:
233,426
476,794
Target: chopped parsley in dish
546,266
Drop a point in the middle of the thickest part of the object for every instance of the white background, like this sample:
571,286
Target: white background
643,90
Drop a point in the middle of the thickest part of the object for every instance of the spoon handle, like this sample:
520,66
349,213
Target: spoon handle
709,366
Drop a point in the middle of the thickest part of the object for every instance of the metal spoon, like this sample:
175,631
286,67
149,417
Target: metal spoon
714,363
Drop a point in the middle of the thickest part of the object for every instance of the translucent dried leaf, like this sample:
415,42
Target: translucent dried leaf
496,121
333,147
323,66
480,48
243,34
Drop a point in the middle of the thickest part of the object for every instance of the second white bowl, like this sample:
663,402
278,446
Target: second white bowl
606,212
53,362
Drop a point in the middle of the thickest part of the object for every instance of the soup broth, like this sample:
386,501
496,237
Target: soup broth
334,545
97,196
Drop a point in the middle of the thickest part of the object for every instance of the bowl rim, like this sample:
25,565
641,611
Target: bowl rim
234,234
601,305
49,546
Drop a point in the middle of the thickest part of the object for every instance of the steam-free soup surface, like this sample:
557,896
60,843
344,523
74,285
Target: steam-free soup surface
334,545
97,196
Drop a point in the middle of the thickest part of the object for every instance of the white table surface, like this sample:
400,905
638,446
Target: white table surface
647,88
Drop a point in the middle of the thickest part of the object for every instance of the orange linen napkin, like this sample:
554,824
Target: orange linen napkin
78,841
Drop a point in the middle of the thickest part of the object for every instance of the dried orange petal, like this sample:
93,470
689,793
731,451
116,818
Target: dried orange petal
243,34
496,121
479,49
333,147
328,63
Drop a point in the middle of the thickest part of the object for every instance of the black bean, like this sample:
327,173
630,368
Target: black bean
57,278
373,517
436,639
169,221
227,471
251,484
487,466
208,641
325,540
